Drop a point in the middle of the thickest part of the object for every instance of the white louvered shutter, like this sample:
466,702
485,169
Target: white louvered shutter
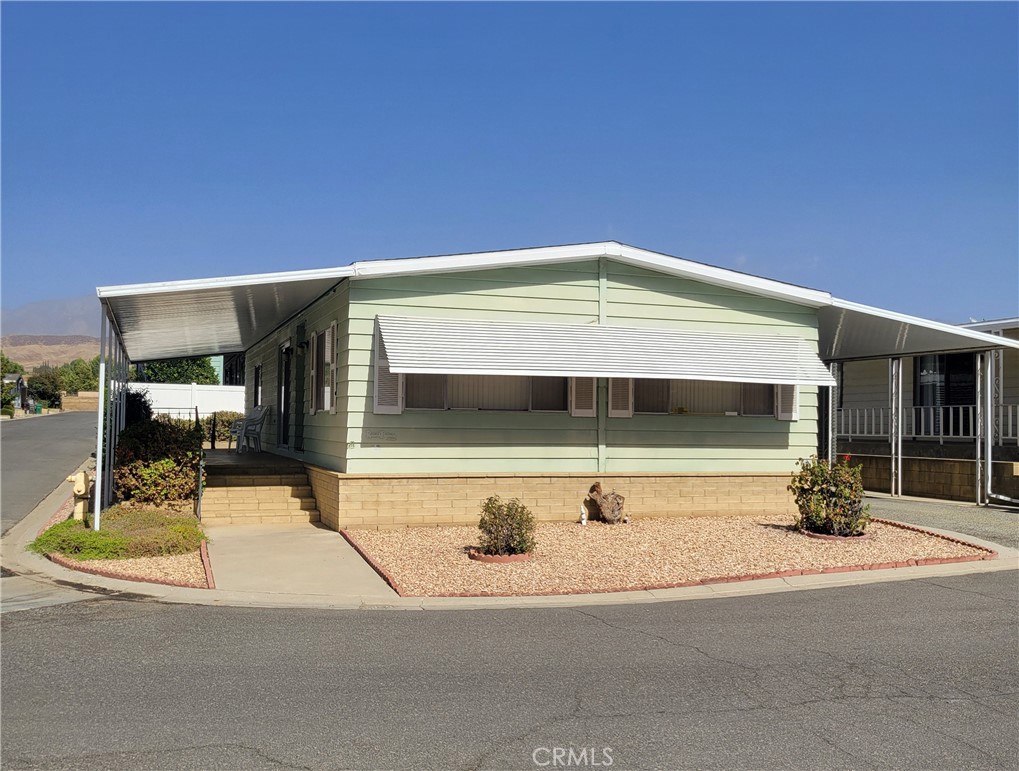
787,402
388,385
620,397
332,358
313,349
583,397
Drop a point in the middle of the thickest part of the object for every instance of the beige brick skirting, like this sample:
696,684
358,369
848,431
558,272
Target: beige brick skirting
953,480
401,500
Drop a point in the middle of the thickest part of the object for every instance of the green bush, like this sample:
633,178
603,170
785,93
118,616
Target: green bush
830,497
7,412
137,408
223,422
506,528
156,462
125,533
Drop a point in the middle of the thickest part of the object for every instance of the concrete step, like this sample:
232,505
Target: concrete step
254,480
259,493
278,506
297,517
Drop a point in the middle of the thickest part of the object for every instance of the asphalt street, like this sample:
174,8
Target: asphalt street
38,454
912,674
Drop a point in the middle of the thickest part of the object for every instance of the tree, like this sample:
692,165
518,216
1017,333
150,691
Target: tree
198,370
80,375
8,367
45,385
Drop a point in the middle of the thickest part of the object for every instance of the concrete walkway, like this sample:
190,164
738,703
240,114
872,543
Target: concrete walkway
292,560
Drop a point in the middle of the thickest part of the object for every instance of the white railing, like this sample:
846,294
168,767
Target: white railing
956,422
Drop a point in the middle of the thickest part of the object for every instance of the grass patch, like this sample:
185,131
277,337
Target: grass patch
126,532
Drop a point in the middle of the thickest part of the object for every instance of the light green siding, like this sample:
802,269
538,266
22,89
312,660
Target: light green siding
324,432
468,441
865,384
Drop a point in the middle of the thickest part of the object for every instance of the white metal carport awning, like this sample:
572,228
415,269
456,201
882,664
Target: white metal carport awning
475,347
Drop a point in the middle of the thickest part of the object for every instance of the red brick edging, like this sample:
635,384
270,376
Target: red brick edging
374,565
76,565
209,580
989,555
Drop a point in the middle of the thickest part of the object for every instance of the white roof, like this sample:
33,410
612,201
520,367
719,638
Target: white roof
230,314
474,347
851,331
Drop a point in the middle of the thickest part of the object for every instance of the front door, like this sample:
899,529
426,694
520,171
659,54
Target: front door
283,423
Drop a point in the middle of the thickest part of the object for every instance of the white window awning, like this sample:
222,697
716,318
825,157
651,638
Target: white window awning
477,347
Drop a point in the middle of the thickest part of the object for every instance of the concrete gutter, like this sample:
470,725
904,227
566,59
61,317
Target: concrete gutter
46,575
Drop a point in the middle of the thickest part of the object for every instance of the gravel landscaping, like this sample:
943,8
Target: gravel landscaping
647,553
178,569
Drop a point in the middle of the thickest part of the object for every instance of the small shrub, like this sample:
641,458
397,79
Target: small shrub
125,533
830,497
7,412
506,528
73,538
156,462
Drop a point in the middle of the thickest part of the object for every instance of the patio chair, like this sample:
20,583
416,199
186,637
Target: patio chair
248,430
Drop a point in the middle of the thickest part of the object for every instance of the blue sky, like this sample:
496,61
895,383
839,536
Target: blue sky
868,149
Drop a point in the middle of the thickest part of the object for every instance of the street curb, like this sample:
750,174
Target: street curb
990,554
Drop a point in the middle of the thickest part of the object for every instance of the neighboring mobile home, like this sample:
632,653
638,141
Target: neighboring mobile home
413,389
940,426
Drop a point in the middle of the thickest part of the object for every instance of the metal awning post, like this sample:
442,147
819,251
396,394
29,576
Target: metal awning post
108,359
978,429
833,429
895,429
97,504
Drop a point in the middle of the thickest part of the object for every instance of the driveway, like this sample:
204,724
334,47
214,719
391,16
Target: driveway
38,454
997,524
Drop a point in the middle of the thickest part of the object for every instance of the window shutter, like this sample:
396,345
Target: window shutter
388,385
312,402
620,397
330,334
787,402
583,397
333,358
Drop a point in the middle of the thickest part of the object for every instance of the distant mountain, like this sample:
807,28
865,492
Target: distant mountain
32,350
73,316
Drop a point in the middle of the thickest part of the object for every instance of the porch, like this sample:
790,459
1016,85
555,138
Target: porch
256,488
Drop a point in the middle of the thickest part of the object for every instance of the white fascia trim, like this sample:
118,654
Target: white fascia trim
224,282
994,325
479,260
677,266
989,341
411,370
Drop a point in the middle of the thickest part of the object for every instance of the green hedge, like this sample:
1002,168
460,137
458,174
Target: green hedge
157,461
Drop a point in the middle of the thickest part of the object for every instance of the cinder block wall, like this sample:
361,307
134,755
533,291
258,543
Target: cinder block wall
391,501
950,479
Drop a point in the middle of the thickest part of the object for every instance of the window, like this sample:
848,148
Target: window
425,392
549,394
758,399
944,380
486,392
702,397
257,386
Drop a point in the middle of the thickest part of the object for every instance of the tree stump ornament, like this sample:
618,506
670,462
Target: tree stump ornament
605,506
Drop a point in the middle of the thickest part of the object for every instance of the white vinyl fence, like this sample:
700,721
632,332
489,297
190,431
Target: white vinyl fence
179,401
